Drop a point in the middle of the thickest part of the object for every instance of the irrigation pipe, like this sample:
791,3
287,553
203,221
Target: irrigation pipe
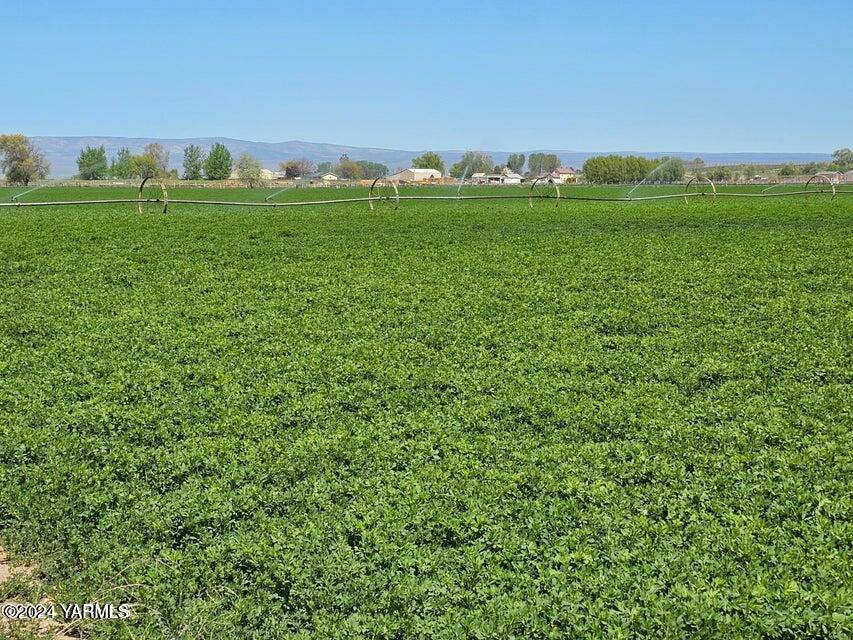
396,198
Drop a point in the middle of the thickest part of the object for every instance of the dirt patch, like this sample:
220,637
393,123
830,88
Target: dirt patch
5,567
16,578
8,570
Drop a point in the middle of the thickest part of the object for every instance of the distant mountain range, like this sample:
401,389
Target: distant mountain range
62,152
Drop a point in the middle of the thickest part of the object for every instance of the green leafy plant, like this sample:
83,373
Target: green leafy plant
491,421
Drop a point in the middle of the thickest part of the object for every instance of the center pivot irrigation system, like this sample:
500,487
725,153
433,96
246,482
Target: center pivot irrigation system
544,188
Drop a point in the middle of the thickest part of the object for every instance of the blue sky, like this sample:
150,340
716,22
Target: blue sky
713,77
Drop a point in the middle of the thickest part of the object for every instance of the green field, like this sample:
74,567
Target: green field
454,420
291,193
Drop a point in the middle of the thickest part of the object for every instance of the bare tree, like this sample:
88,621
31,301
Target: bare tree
306,167
297,167
159,155
249,170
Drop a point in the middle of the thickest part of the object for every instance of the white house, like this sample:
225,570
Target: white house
565,175
510,177
414,175
506,176
328,177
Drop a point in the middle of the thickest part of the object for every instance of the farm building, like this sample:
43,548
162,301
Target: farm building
565,175
506,176
414,175
328,177
510,177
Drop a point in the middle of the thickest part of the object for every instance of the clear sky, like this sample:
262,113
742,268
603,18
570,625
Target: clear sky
645,76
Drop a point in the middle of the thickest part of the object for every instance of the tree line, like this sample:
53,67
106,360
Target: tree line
353,169
217,164
478,162
22,162
616,169
470,163
842,160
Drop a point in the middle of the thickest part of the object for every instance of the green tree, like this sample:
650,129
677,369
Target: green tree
92,163
193,162
249,169
372,170
787,170
429,160
597,170
143,166
719,174
218,164
121,165
540,164
472,162
844,158
515,162
324,167
634,169
616,169
610,169
20,160
666,170
347,169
